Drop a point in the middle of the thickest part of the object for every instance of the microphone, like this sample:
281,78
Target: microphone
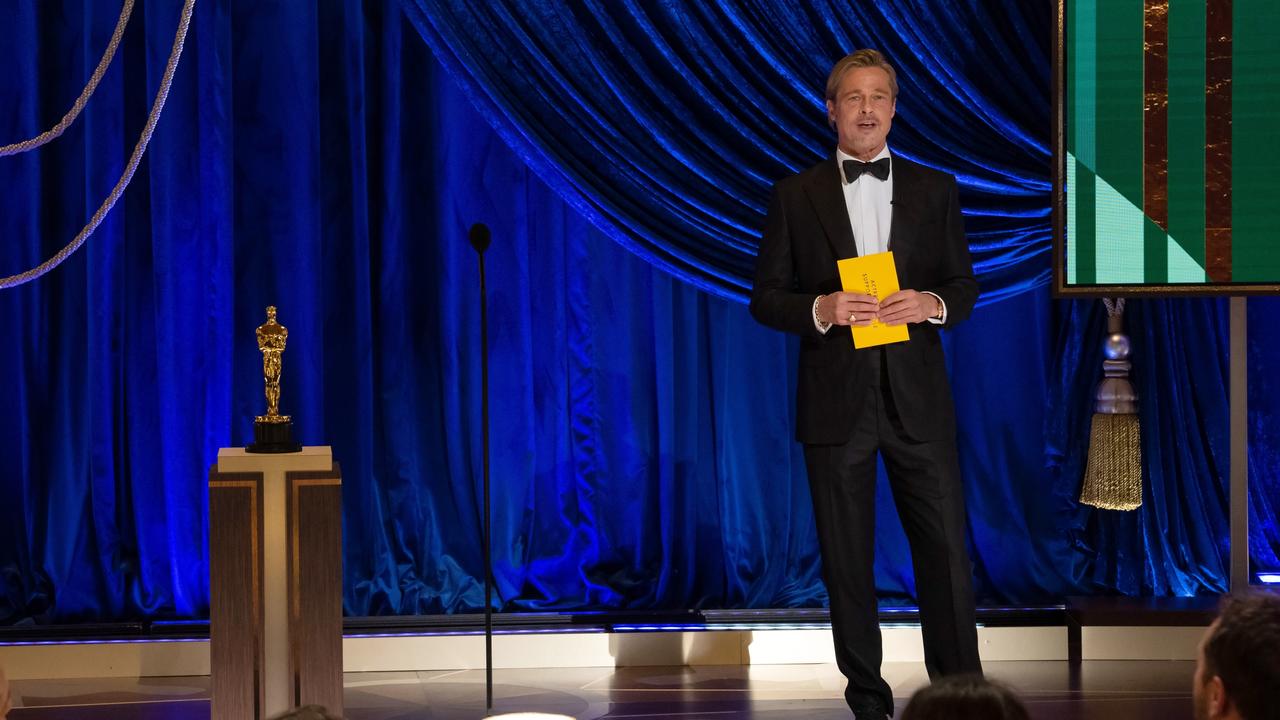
479,237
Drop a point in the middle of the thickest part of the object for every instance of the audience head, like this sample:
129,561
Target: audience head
1238,665
306,712
965,697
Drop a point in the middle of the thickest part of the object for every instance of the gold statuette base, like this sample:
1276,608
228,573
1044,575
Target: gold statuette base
273,434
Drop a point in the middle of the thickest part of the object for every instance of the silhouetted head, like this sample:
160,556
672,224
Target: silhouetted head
1238,666
965,697
306,712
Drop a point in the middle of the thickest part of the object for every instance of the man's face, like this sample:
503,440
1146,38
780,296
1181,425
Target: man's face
862,111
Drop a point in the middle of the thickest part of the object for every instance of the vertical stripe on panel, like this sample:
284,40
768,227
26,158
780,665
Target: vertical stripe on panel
1086,224
1182,268
1155,139
1155,252
1071,62
1217,138
1083,81
1073,229
1255,150
1082,62
1120,261
1186,138
1070,112
1119,168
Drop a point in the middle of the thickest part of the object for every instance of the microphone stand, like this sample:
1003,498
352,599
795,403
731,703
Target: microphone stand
480,237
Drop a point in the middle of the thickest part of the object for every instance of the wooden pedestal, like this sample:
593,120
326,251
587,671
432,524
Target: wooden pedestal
275,582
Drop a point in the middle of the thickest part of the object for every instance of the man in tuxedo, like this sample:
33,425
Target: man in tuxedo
892,400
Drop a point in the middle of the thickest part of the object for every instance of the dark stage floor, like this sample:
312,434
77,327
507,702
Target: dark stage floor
1132,690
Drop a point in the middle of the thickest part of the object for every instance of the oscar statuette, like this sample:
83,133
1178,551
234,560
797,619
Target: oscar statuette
273,432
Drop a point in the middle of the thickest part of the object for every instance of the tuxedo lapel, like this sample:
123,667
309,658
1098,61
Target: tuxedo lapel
905,189
827,195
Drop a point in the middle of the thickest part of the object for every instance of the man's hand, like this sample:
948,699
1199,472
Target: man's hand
838,308
908,306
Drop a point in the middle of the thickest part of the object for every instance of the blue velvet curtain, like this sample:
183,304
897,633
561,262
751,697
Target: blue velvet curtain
666,123
323,158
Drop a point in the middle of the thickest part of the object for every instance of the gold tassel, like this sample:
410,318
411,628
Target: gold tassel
1113,473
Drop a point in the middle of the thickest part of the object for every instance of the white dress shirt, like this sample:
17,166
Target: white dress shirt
869,201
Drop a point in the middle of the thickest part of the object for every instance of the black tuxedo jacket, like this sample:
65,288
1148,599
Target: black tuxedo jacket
807,230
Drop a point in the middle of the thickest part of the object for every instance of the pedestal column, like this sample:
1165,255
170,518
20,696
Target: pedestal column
275,562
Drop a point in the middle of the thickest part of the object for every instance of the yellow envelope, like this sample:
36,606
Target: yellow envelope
874,275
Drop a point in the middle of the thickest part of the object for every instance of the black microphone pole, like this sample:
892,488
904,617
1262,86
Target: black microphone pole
479,237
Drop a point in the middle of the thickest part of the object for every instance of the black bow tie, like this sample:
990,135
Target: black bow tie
879,169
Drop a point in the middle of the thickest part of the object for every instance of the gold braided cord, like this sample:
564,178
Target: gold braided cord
74,112
135,159
1113,473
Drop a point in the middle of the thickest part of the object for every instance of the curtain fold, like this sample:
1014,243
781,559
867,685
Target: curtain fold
324,159
666,124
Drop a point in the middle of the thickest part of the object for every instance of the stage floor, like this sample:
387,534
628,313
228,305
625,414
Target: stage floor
1100,690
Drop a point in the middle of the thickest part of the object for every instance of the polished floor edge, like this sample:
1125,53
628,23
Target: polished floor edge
401,652
1052,690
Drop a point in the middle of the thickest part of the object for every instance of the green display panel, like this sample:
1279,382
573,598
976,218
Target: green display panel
1167,147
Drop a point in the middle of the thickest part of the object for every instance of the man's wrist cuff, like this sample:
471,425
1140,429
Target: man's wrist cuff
940,316
821,326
